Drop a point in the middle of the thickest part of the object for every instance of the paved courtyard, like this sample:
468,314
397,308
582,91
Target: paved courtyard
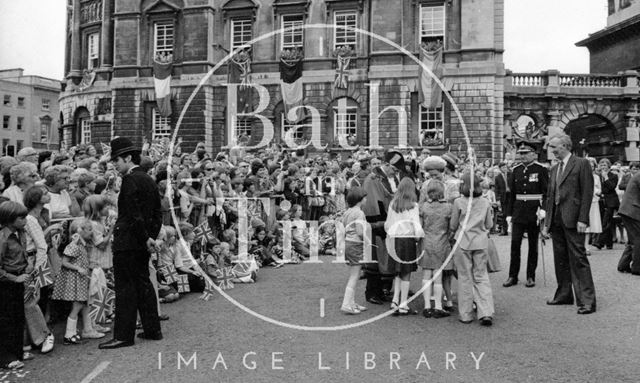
217,341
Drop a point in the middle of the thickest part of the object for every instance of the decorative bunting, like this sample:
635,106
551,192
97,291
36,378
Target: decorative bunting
291,84
225,278
430,94
342,74
162,66
240,73
183,284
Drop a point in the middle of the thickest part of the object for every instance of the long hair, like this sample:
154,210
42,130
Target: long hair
93,205
405,198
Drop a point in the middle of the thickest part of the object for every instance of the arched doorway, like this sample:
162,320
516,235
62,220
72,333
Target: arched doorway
594,136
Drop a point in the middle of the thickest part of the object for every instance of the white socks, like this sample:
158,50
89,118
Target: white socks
71,330
437,291
426,294
396,289
404,293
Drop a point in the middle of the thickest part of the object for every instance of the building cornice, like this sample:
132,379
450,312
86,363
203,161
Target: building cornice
608,35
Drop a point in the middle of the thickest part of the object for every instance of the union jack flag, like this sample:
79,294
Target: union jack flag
241,269
102,304
43,276
342,75
169,273
203,231
183,284
29,292
225,278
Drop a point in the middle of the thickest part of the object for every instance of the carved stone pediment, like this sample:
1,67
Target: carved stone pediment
235,8
162,6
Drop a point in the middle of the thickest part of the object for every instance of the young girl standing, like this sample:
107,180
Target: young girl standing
403,229
354,222
96,210
73,282
14,272
435,214
471,260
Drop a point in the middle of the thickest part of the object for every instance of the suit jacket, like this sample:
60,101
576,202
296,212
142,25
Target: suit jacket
575,192
630,206
139,212
500,181
609,194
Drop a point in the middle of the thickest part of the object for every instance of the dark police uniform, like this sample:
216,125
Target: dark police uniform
528,184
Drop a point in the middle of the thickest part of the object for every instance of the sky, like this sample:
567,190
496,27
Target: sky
539,34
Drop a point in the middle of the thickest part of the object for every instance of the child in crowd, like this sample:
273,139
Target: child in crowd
356,228
471,261
14,272
327,233
189,263
73,281
435,214
300,233
403,227
490,195
167,256
260,248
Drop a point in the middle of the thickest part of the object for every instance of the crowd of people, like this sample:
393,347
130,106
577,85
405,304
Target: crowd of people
152,228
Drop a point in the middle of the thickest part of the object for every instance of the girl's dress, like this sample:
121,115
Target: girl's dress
595,221
435,217
71,285
102,258
354,240
403,230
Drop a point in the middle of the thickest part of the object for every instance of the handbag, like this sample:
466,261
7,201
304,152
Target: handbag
493,261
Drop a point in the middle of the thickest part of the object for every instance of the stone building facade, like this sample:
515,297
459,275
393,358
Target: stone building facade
616,48
112,44
29,111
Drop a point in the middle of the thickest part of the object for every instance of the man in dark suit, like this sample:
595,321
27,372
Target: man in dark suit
630,213
569,199
137,227
502,195
609,181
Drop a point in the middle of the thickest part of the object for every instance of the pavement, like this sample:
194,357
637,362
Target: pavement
215,341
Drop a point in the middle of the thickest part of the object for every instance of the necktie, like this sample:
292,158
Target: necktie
558,177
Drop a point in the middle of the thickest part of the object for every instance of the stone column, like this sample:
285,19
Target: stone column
76,48
106,35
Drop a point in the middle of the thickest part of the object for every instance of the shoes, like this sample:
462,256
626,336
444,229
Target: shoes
404,311
152,336
635,272
437,313
375,300
163,317
530,282
99,328
510,282
15,365
114,343
449,308
92,334
393,306
557,302
427,313
350,310
465,321
47,345
361,308
609,247
625,270
586,310
75,339
26,355
486,321
597,246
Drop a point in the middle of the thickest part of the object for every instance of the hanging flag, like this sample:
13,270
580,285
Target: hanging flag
102,305
169,273
43,275
183,284
430,93
240,73
162,83
291,87
225,277
342,74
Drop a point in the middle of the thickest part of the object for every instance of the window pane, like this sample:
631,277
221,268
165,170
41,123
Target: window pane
240,32
161,126
342,35
432,21
293,35
345,123
431,126
163,38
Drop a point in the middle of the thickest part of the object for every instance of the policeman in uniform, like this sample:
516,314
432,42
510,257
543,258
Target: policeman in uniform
524,210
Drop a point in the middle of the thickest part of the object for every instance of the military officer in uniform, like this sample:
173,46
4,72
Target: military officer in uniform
524,210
